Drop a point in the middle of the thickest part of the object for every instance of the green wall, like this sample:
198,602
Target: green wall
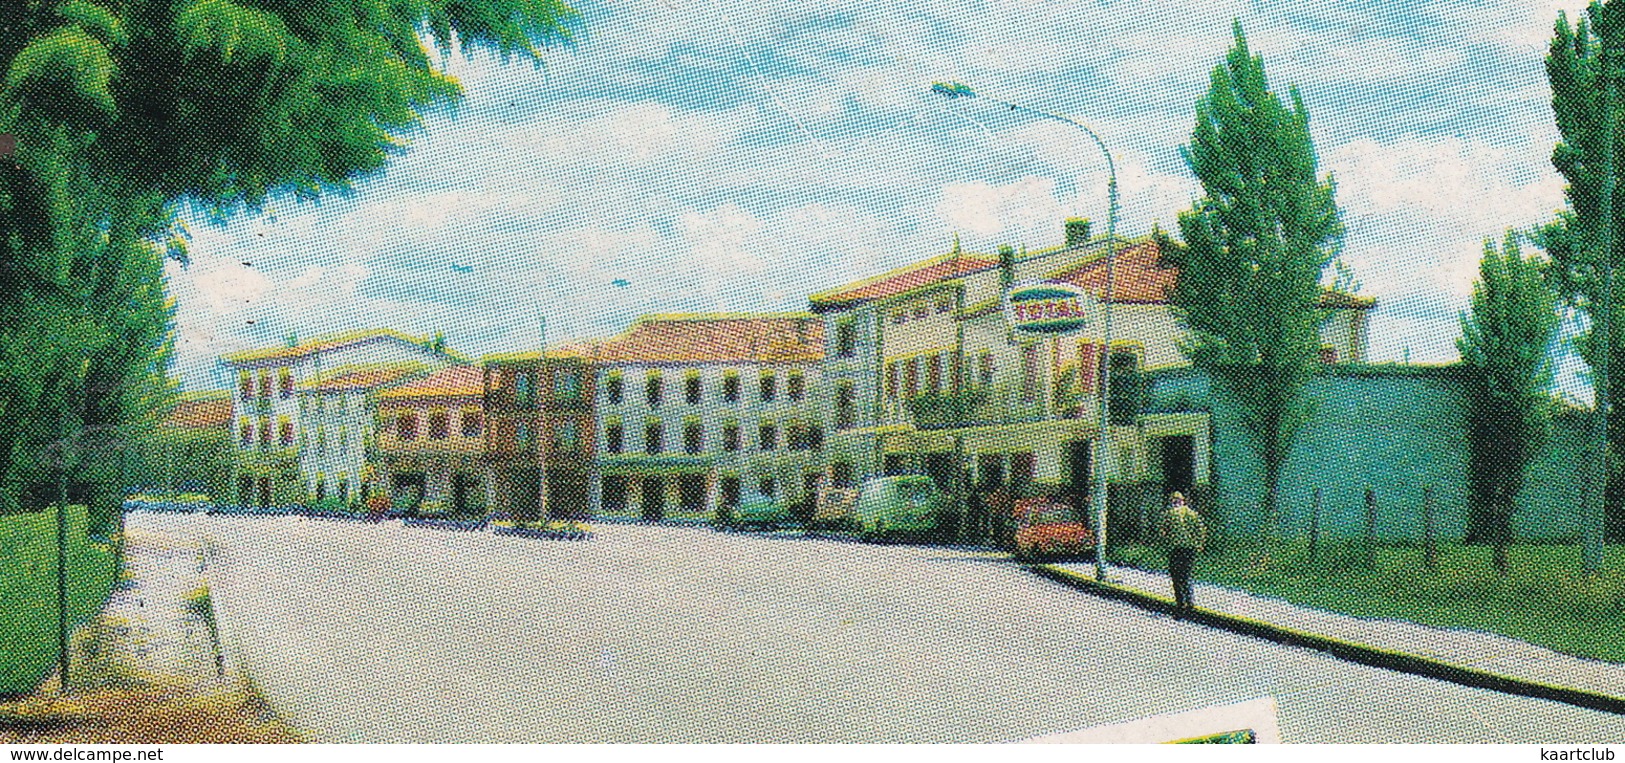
1396,429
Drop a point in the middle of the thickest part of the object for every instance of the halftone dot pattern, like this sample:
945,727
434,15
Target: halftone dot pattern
721,157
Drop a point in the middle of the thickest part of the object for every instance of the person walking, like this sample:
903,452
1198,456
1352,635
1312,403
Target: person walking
1185,534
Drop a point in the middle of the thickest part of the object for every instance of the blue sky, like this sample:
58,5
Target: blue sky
723,155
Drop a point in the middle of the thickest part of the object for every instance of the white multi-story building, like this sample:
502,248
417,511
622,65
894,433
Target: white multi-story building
337,415
696,411
265,408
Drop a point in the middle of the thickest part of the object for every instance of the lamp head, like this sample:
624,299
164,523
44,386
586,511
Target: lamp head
953,89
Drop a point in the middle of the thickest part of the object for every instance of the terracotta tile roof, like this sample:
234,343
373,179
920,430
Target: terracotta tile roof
722,337
451,381
213,412
906,278
575,349
331,342
364,377
1140,277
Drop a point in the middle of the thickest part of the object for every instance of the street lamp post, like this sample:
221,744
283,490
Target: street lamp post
1103,425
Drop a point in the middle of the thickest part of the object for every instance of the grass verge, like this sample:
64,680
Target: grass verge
1544,599
28,618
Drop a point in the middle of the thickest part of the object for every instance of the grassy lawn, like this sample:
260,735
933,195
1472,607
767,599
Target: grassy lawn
28,591
1542,600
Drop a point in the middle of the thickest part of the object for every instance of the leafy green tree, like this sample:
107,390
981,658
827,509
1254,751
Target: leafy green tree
1255,248
125,109
1582,68
1505,346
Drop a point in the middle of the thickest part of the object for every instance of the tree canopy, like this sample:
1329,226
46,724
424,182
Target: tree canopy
1256,246
1506,346
123,109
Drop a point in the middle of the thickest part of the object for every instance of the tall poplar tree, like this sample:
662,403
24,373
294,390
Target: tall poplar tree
1505,346
1256,247
1582,66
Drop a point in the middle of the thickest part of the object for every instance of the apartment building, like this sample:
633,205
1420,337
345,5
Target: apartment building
265,408
697,411
928,376
337,419
430,442
540,434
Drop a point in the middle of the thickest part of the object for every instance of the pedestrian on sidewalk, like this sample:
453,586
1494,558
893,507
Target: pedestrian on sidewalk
1185,534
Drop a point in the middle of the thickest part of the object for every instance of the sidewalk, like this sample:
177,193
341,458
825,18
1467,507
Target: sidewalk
145,670
1474,650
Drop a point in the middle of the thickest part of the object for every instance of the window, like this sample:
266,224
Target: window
245,385
891,379
730,436
471,422
265,384
265,431
846,408
521,435
344,440
654,436
770,387
911,377
768,436
933,373
693,437
653,389
568,435
524,391
569,386
986,370
901,316
797,387
815,437
439,424
613,387
321,439
921,309
1328,355
956,369
766,486
730,387
614,437
692,389
1029,373
795,436
285,381
945,302
344,488
344,403
247,430
846,340
406,426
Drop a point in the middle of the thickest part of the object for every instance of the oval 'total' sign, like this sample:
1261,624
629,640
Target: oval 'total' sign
1048,309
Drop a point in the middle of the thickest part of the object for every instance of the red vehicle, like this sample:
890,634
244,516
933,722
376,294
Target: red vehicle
1047,529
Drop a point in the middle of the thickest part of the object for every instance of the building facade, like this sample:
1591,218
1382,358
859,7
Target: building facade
959,396
337,424
430,443
265,408
540,437
697,412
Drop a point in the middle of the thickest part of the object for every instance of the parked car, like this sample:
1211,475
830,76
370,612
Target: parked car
762,512
899,505
1047,529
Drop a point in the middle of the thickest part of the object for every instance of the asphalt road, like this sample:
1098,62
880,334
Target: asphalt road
657,634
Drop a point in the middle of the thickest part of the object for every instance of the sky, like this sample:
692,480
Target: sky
719,155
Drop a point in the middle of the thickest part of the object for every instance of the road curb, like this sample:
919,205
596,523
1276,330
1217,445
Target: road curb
1364,654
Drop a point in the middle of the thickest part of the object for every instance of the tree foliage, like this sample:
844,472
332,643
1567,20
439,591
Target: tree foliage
1505,345
125,109
1584,238
1255,249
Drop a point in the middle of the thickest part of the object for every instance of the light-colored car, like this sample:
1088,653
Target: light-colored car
907,504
